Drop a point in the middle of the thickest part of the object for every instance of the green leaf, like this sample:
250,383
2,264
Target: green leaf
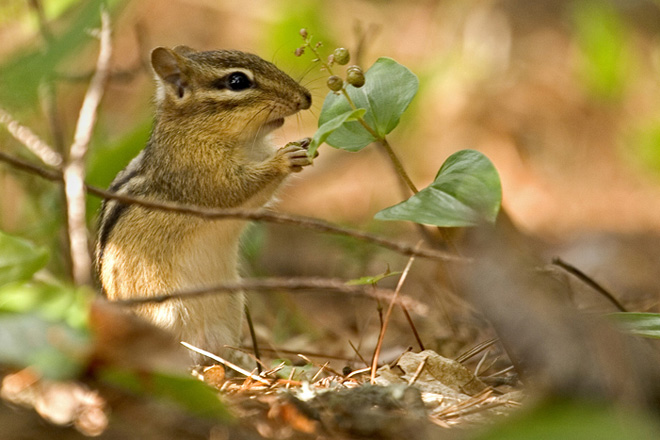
465,192
640,324
330,126
187,392
19,259
574,420
53,303
371,279
389,89
55,349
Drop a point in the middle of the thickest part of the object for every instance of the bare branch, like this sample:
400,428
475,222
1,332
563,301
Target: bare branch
289,284
74,171
245,214
33,143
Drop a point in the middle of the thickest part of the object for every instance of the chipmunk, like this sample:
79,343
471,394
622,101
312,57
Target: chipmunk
210,148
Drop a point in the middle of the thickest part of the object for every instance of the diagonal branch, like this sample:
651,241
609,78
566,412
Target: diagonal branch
74,171
244,214
33,143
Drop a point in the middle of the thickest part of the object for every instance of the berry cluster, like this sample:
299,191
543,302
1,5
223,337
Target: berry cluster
340,56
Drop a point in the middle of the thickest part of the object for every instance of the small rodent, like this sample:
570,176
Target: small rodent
210,148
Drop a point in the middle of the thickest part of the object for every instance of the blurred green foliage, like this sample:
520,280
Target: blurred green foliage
186,392
42,324
280,38
25,72
605,57
574,420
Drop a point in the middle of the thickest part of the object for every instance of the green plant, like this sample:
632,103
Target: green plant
366,107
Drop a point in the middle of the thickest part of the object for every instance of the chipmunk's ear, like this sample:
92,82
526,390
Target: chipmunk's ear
184,50
170,68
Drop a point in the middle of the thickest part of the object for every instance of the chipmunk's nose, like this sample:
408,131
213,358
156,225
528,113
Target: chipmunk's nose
306,100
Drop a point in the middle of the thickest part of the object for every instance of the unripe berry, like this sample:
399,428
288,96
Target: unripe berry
355,76
341,56
335,83
303,33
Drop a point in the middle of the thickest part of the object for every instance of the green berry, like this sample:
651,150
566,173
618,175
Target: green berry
355,76
335,83
341,56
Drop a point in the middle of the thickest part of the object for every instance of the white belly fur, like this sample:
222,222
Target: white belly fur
193,253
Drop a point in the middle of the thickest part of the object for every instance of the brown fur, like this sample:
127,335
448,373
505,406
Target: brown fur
209,148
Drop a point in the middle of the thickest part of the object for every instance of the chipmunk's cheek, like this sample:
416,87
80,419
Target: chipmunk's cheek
274,124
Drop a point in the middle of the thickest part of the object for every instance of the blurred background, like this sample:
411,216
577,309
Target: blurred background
562,95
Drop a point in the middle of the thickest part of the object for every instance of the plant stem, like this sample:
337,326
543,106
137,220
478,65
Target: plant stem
382,141
397,165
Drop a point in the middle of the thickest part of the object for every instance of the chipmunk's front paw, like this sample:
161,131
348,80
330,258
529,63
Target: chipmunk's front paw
295,154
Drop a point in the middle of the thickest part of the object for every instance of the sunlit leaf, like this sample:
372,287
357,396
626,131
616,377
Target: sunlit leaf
387,93
640,324
19,258
465,192
330,126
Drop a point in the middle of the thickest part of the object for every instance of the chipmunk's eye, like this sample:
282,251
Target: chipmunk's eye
238,81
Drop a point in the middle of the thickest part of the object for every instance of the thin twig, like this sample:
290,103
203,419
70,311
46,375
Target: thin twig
226,363
271,284
383,329
499,373
253,337
475,350
33,143
278,351
413,327
244,214
418,371
74,171
323,367
588,281
481,363
48,90
358,353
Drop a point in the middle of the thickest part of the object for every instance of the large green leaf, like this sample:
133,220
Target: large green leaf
386,94
465,192
19,258
640,324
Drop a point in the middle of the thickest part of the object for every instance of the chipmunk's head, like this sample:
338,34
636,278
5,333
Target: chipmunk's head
225,91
